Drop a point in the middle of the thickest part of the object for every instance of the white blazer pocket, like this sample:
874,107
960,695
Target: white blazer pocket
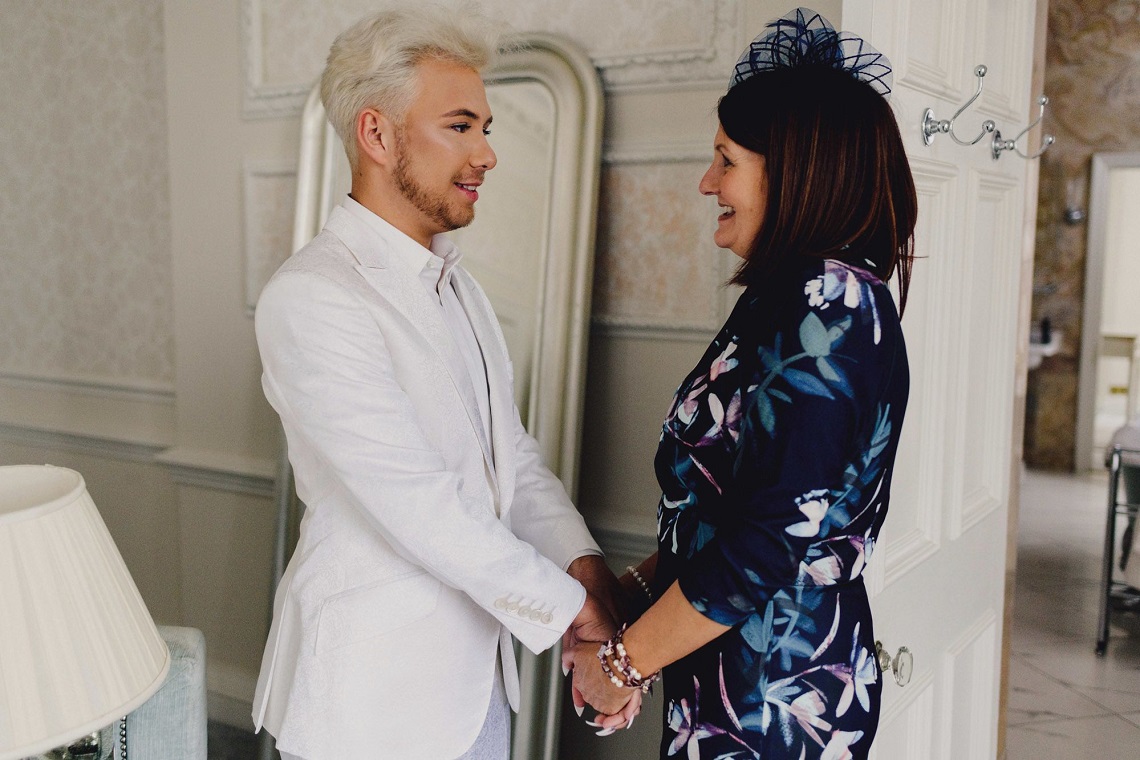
374,609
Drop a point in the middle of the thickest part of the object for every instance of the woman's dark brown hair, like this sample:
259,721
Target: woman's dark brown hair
838,181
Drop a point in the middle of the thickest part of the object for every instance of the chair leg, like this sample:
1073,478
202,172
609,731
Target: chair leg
1106,564
1126,541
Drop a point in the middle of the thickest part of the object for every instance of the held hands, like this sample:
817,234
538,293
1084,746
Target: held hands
594,623
597,620
593,573
616,706
617,599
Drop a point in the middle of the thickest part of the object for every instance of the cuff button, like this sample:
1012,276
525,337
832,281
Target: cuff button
547,618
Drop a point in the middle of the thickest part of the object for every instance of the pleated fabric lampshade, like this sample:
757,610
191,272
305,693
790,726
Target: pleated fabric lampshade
78,648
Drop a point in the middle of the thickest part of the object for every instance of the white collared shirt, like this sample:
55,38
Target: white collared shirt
434,269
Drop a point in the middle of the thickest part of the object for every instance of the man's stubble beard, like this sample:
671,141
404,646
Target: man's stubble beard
435,207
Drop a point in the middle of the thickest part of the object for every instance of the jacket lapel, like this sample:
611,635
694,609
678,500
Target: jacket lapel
407,295
487,332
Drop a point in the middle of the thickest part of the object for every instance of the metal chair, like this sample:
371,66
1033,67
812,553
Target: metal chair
1118,595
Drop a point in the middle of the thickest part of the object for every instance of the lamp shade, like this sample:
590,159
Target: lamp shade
78,648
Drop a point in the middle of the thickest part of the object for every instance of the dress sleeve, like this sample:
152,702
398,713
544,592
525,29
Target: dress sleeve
812,436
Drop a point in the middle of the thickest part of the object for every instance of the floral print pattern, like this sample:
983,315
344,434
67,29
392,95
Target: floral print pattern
775,465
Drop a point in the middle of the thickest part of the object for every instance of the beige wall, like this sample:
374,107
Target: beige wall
127,321
87,359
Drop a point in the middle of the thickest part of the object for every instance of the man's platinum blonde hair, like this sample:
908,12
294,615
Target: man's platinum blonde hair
373,63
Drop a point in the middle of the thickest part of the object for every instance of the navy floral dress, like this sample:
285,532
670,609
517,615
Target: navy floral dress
775,465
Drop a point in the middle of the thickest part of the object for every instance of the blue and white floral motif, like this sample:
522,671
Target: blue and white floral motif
814,505
775,463
854,285
856,677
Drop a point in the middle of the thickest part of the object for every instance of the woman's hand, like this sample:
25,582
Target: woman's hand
616,706
622,719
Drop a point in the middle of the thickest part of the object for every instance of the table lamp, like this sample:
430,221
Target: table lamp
78,648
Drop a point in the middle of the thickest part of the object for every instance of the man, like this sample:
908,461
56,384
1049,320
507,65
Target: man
433,531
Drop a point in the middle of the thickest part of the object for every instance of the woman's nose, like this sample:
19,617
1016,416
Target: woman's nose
708,184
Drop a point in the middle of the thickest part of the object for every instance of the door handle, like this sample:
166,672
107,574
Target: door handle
902,664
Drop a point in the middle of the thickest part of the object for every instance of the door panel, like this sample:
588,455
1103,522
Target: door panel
907,729
988,347
968,728
913,531
937,578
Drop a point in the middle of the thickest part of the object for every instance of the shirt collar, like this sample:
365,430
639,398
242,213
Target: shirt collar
406,254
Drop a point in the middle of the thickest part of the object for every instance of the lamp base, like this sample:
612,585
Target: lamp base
90,747
84,748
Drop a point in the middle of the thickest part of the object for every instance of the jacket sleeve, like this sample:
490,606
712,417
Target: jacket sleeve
542,513
814,441
328,372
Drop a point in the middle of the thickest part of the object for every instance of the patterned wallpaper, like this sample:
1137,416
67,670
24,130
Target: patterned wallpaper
1092,77
633,42
657,265
85,273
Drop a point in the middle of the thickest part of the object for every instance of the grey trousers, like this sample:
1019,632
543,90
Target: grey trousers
494,740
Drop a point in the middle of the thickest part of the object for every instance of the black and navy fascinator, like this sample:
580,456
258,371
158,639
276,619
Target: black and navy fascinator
803,38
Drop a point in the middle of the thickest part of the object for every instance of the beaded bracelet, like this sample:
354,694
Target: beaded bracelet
618,668
640,581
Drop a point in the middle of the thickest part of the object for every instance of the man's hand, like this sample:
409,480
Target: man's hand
593,573
593,623
605,605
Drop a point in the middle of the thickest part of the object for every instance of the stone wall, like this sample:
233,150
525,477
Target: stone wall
1092,78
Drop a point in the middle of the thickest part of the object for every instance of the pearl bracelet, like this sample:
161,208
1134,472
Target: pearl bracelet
640,581
618,668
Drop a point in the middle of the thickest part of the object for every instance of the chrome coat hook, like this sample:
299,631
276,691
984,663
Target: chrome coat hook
1000,145
932,126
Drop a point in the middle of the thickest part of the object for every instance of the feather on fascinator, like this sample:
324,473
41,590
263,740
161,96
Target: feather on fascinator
802,38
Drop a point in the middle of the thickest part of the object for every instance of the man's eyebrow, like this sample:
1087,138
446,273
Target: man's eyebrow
465,112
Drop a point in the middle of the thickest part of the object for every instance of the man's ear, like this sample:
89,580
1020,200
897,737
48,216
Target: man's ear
375,136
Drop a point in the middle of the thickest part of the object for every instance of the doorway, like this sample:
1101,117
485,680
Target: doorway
1109,388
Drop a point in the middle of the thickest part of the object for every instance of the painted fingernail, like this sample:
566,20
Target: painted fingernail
565,669
630,724
592,724
605,732
580,709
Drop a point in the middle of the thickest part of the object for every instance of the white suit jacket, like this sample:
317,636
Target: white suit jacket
417,559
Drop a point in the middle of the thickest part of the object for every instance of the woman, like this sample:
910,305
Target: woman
775,458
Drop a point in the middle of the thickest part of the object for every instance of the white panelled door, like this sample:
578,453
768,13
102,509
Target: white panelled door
937,578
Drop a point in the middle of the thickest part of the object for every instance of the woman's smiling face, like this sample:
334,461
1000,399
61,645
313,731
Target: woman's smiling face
737,179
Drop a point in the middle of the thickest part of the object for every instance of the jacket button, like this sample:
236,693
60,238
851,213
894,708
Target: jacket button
500,603
535,615
547,618
524,612
513,607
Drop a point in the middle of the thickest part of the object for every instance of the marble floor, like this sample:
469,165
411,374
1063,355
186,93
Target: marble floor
1065,702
